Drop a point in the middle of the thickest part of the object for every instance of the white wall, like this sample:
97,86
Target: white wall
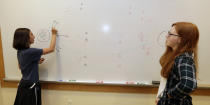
52,97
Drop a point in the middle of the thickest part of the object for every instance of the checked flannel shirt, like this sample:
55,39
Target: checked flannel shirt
181,82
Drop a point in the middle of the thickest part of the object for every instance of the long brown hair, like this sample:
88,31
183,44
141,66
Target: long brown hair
189,43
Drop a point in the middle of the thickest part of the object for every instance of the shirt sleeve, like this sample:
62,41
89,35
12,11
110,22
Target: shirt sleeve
161,87
188,83
35,54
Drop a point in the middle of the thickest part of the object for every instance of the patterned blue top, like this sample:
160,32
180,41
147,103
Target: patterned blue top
28,60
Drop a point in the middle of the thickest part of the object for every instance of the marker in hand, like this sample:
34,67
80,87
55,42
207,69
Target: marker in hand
41,60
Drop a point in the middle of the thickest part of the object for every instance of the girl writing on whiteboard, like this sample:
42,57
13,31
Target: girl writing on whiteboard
29,89
179,65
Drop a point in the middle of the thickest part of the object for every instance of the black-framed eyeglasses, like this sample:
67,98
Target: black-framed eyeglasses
170,34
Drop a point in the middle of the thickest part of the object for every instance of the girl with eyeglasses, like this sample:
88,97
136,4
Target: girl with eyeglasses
179,65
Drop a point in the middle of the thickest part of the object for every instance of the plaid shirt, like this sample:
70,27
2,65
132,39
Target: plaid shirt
181,82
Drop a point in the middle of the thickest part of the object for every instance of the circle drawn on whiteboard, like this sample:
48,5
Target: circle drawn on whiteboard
119,66
161,39
86,39
58,49
85,57
85,64
120,42
43,36
81,6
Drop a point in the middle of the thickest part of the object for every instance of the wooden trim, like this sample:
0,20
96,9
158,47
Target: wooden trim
204,92
2,72
102,88
89,87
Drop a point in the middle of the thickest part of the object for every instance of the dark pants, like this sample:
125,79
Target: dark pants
184,101
28,93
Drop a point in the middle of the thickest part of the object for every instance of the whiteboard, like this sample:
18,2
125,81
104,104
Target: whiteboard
113,41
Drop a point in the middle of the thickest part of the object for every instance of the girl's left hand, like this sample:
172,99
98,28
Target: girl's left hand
156,101
169,96
41,60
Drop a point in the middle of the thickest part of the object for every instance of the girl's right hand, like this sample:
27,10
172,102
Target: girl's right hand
51,48
156,101
54,31
41,60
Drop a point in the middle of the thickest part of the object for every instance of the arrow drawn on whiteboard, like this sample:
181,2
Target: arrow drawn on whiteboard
66,36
